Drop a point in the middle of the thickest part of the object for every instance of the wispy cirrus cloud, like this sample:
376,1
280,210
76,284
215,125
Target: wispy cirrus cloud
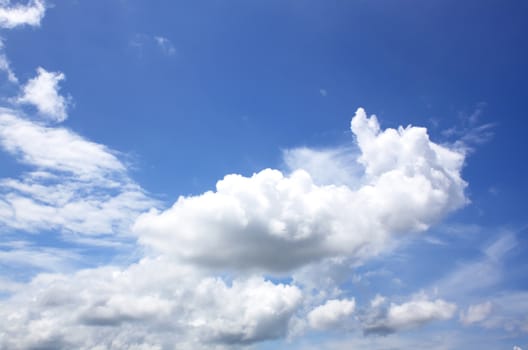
74,185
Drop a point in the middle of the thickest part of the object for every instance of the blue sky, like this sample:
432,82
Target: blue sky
210,175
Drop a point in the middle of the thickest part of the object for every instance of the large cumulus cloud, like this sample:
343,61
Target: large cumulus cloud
276,222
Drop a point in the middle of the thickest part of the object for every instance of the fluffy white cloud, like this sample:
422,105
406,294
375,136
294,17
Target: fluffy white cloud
43,92
331,314
276,222
414,313
16,15
153,303
76,185
476,313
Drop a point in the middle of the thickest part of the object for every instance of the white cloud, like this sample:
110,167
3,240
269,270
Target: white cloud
43,92
56,149
76,185
476,313
331,314
276,222
415,313
165,45
17,15
323,92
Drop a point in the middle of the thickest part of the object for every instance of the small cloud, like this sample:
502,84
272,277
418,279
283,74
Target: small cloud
143,41
17,15
323,92
43,92
412,314
476,313
165,45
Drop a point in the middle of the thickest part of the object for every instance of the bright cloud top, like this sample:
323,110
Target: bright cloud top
276,222
17,15
43,92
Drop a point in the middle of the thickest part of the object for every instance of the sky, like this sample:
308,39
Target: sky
265,174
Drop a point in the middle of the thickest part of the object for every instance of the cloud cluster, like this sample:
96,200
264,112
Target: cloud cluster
270,222
276,222
198,281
